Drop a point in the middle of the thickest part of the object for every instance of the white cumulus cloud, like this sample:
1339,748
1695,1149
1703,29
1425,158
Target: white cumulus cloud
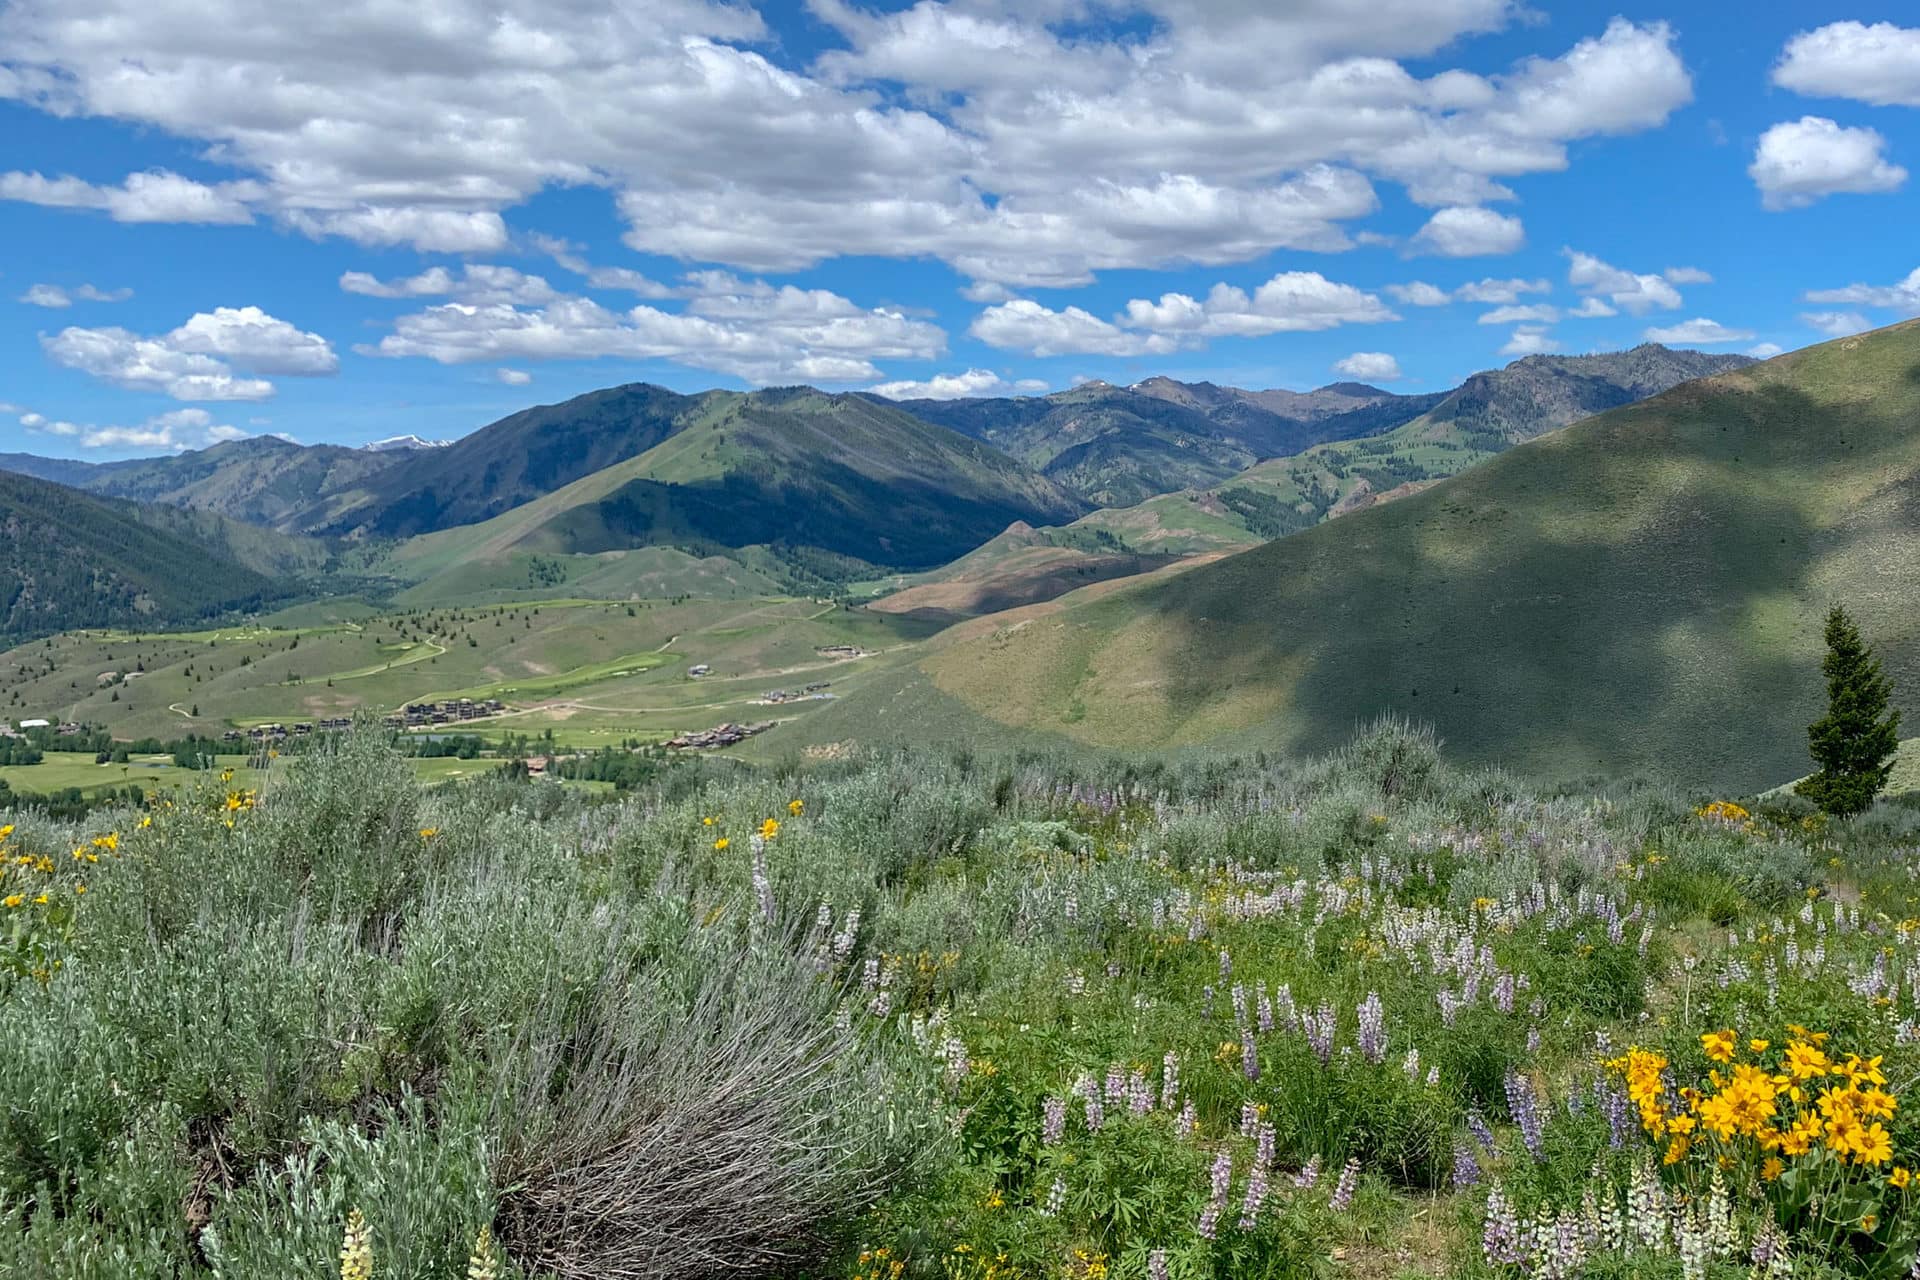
1902,296
1836,324
1800,161
155,196
1697,332
513,377
958,386
1529,340
751,329
200,360
1879,64
1020,145
1369,366
1634,293
1469,231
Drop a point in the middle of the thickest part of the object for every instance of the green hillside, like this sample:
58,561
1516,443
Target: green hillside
831,482
262,480
68,560
1485,415
1117,446
1640,592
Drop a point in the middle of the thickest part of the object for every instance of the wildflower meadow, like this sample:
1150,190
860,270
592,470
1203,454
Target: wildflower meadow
950,1017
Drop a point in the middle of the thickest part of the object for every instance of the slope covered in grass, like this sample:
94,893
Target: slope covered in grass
843,476
71,560
1640,592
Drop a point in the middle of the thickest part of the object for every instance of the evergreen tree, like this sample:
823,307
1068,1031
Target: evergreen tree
1855,741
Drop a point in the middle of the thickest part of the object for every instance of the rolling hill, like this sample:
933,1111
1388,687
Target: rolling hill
1640,592
1116,446
828,481
262,480
68,559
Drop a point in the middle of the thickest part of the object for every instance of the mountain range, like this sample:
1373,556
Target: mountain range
638,489
1640,591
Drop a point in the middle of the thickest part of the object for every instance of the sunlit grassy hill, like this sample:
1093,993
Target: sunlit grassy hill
1640,592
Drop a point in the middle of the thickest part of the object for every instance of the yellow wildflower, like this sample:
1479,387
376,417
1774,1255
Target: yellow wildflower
1771,1168
15,899
795,806
484,1264
720,845
356,1249
1719,1045
1898,1177
769,829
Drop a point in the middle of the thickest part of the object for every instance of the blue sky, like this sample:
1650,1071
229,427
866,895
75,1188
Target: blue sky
224,217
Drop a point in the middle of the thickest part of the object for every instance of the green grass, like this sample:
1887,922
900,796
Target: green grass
595,673
1638,594
962,1011
59,771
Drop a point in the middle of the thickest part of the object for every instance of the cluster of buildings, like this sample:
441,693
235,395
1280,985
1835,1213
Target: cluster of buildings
65,729
808,693
281,732
415,714
841,651
724,735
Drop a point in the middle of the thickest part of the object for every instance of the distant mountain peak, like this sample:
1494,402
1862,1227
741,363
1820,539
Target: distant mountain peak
392,443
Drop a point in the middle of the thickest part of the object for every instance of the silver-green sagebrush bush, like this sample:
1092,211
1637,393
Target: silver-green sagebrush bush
948,1017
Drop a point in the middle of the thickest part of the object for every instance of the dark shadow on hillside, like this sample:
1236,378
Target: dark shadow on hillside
1511,608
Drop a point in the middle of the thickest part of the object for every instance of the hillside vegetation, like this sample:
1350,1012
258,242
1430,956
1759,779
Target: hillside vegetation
927,1017
837,477
1116,446
262,481
1487,414
1639,592
70,560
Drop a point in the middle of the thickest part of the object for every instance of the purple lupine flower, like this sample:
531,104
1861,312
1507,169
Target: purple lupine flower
1265,1009
1221,1178
1309,1175
1524,1105
1616,1107
1263,1147
1320,1027
1157,1265
1373,1029
1503,993
1466,1169
1139,1094
1500,1236
1256,1196
1116,1084
1053,1121
1169,1080
1342,1198
1249,1054
1226,965
955,1052
1187,1121
1090,1095
1206,1002
1283,1007
1533,1041
1481,1130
